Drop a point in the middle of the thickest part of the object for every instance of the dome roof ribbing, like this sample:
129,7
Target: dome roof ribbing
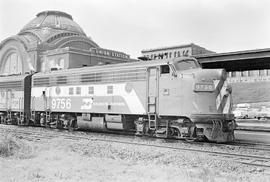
55,20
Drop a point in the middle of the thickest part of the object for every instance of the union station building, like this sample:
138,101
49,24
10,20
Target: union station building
52,40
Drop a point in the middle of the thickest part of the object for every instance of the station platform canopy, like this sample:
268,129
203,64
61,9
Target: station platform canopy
256,59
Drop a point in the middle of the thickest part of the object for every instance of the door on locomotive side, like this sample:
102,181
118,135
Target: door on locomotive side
40,101
152,94
40,85
169,92
47,99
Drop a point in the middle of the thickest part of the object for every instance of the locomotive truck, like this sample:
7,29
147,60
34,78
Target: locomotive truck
166,98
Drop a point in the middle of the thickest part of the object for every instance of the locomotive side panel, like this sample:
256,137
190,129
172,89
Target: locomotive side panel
176,96
121,91
16,100
11,99
124,98
188,102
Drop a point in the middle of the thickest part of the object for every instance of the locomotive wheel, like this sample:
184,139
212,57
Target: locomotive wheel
192,136
58,124
72,125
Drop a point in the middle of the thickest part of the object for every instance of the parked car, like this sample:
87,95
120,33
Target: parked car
264,113
245,111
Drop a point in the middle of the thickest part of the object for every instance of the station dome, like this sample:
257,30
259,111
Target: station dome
49,30
55,20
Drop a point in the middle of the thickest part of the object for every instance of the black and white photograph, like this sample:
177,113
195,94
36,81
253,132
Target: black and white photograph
134,90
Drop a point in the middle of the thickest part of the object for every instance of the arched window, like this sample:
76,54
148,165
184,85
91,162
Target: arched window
13,64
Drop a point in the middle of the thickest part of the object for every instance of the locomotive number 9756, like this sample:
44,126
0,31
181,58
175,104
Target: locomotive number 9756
61,103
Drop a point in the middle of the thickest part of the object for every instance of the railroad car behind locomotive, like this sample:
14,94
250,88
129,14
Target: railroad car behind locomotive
166,98
15,94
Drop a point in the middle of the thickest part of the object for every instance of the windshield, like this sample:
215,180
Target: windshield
186,64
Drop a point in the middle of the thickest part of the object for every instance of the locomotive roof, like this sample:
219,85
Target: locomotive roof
121,66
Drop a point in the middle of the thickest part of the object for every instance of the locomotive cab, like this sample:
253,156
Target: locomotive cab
201,96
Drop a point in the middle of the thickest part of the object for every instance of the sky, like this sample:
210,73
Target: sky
130,26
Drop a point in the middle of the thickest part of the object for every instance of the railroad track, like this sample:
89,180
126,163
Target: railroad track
243,144
27,133
251,145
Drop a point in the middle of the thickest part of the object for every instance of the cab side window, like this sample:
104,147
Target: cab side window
165,69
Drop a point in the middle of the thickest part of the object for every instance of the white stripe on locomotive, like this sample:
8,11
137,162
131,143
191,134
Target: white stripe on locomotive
227,108
132,99
223,97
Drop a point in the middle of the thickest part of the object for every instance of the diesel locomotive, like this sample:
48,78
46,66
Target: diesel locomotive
173,98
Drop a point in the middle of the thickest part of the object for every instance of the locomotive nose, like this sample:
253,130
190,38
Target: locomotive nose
223,91
212,85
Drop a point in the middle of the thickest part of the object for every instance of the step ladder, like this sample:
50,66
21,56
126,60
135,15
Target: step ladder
152,120
9,116
21,119
152,116
47,116
33,116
